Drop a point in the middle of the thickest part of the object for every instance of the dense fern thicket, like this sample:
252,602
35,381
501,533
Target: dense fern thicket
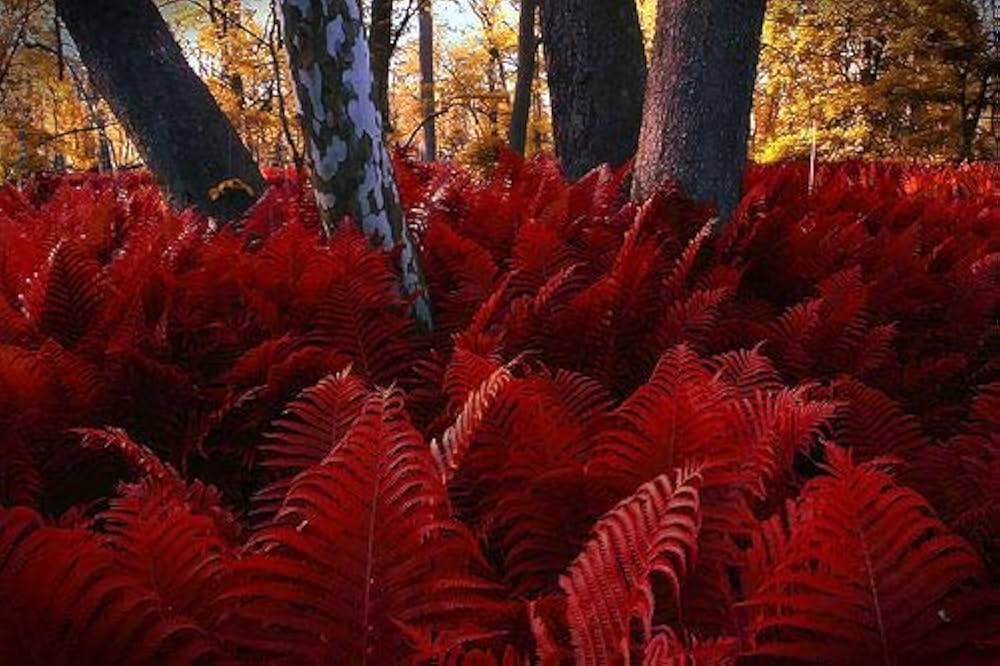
628,439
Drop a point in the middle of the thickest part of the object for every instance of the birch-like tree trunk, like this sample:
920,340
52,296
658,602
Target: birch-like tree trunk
427,101
351,167
527,48
696,121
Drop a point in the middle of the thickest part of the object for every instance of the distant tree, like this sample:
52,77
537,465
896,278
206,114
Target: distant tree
380,36
597,75
239,55
184,138
697,111
473,88
427,83
351,168
527,51
15,24
389,23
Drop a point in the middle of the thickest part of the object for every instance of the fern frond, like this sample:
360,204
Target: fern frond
676,418
748,371
309,429
959,476
608,586
15,327
675,283
355,307
20,477
67,294
362,545
68,600
585,398
449,451
773,427
135,455
667,649
688,320
873,425
557,291
867,574
478,328
791,334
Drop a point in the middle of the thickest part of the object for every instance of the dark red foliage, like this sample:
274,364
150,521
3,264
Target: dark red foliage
617,444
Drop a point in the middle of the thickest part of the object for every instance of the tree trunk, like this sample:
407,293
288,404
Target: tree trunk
169,113
381,41
427,103
351,168
539,137
970,113
597,75
697,112
527,48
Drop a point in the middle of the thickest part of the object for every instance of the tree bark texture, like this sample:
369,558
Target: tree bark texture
183,136
696,121
597,76
427,101
527,49
351,167
380,36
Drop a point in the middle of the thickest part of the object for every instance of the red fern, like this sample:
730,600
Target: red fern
864,314
867,574
667,649
64,298
449,451
608,586
308,431
70,601
362,548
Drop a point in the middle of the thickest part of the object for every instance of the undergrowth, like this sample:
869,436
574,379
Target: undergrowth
628,439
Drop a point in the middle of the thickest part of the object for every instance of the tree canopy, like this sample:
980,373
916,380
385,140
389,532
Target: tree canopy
894,80
913,79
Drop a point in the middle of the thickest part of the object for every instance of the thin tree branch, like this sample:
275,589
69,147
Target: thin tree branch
437,114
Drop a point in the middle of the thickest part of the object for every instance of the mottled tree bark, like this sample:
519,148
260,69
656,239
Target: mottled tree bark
351,168
184,138
380,36
427,102
527,48
697,113
597,75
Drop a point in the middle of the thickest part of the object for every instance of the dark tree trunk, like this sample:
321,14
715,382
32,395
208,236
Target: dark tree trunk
184,138
380,36
697,114
970,112
527,48
351,168
597,75
427,103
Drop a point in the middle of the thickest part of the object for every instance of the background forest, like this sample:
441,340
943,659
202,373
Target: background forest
912,80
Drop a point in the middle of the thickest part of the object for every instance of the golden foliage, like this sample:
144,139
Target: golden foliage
914,79
476,67
892,80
